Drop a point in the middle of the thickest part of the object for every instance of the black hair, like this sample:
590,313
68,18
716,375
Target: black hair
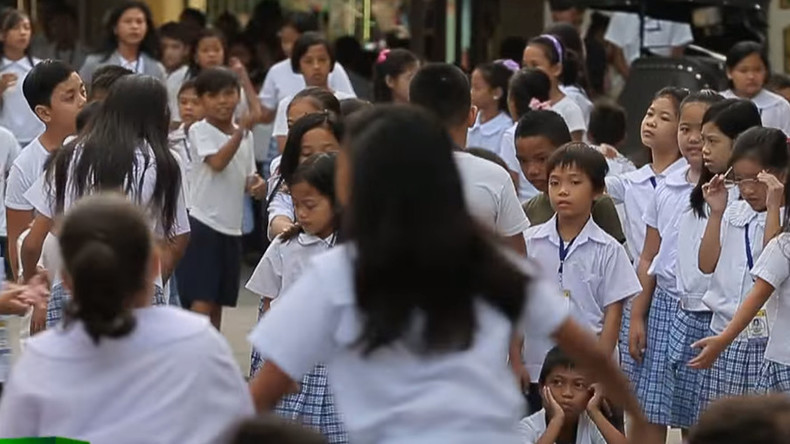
395,63
444,90
303,44
86,115
744,49
744,419
706,96
554,359
489,156
779,81
175,31
323,99
9,19
273,429
349,53
677,95
526,85
561,5
556,52
134,116
293,145
195,15
583,157
187,85
352,106
450,260
318,171
150,43
42,80
214,80
766,146
574,61
302,22
512,48
546,124
105,77
194,68
607,123
106,246
732,117
228,24
497,75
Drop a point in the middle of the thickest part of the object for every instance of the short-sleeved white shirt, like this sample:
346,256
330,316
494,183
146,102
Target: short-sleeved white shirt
507,151
571,113
283,263
663,213
731,281
488,135
774,109
281,118
634,191
692,284
396,395
25,170
172,379
596,272
660,35
15,114
9,150
533,427
489,194
218,196
773,266
185,153
282,82
173,82
581,99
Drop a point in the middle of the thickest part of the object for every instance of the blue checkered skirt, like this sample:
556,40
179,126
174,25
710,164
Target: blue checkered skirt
59,296
627,363
736,372
314,406
651,390
687,328
774,378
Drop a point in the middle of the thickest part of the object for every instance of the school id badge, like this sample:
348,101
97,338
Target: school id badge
758,328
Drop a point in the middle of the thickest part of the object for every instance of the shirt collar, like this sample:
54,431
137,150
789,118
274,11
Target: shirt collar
590,231
678,178
646,172
135,66
307,239
765,99
500,122
24,62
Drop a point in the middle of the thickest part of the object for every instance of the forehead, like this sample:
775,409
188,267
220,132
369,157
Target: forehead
751,60
693,112
133,13
567,169
747,166
535,144
534,51
72,81
302,189
318,134
564,373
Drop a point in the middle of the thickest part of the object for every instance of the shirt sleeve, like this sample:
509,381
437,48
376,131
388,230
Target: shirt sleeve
617,31
13,151
18,412
339,81
510,218
615,188
651,212
16,186
281,118
42,200
620,281
266,280
681,34
773,265
268,94
527,432
574,117
203,142
604,214
507,151
181,222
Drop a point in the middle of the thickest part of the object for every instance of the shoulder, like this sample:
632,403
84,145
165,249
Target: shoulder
770,99
532,427
476,168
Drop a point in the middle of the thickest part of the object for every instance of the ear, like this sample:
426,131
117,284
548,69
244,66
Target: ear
556,70
43,113
498,93
470,121
389,81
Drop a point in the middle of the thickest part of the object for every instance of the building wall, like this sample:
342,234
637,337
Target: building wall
778,22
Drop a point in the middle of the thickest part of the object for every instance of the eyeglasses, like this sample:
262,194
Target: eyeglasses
731,182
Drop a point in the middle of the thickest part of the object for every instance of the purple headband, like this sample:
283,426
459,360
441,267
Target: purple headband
509,64
556,42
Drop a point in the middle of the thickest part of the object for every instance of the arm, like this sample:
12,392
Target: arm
611,326
280,143
608,431
641,306
31,247
710,248
619,62
219,161
172,250
279,225
18,221
553,429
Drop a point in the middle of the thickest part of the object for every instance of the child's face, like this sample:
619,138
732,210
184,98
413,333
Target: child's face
535,57
220,106
745,172
400,84
131,27
660,125
210,53
482,94
571,192
318,140
313,210
570,389
174,52
532,153
19,36
315,66
67,101
300,108
189,107
690,133
716,148
288,36
748,76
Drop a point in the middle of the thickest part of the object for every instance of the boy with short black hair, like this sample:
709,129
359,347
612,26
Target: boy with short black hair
572,407
224,169
103,78
191,111
175,41
606,132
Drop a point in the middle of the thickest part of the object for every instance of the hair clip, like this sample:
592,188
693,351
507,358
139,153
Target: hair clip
383,56
537,105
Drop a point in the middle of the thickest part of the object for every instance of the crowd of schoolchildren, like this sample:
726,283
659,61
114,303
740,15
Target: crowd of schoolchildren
480,265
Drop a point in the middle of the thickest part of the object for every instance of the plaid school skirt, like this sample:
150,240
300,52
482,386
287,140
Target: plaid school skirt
737,372
314,407
651,390
59,296
774,378
627,364
687,328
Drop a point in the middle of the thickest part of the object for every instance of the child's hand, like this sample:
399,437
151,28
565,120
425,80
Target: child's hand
711,349
774,197
7,80
256,187
11,301
609,151
236,66
637,338
554,409
597,402
715,194
247,121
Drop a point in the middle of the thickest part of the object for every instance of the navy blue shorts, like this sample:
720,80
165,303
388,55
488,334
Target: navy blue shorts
211,267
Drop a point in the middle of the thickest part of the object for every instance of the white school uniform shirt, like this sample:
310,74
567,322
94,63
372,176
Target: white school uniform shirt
660,35
184,153
9,150
596,273
281,81
507,151
571,113
533,427
732,280
172,379
489,194
173,83
580,98
488,135
15,113
773,266
774,109
24,172
281,118
634,191
218,196
397,395
663,213
283,263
